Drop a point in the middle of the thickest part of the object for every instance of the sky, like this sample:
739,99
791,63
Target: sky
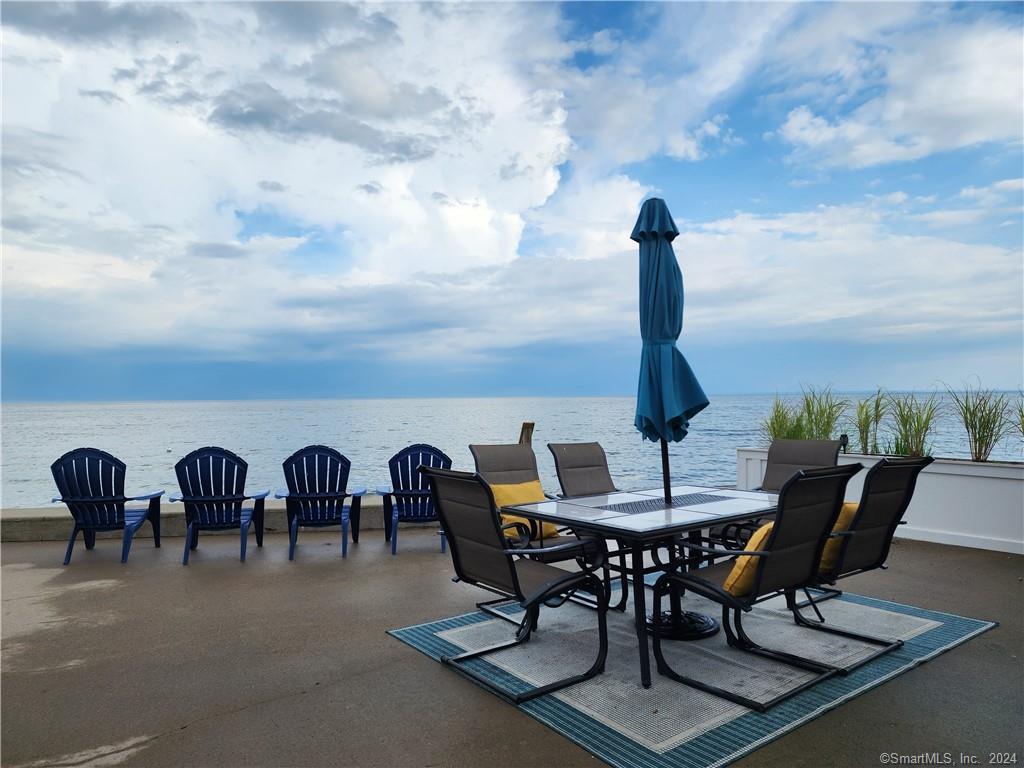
233,200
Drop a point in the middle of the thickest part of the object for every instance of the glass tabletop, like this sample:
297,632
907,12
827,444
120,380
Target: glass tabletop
645,511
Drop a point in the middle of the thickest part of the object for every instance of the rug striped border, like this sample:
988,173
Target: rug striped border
730,741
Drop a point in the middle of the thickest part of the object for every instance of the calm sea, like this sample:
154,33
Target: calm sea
151,436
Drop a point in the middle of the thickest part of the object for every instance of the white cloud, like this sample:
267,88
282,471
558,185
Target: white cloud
928,89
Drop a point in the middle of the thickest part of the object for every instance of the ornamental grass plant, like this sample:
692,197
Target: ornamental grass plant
985,414
912,422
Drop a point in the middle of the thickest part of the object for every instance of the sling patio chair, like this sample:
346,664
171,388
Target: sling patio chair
511,472
482,557
861,539
407,499
781,557
582,470
212,482
317,478
91,484
785,458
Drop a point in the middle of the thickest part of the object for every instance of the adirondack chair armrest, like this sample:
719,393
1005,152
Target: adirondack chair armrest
259,495
175,497
357,492
147,496
383,490
281,494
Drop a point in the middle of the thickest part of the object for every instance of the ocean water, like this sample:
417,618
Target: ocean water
151,436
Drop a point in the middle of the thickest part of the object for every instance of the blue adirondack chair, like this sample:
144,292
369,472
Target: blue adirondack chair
408,498
91,483
212,482
317,478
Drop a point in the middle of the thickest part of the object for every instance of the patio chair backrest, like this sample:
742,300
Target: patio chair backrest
809,503
504,464
91,483
470,520
317,478
212,482
888,488
785,457
582,469
406,476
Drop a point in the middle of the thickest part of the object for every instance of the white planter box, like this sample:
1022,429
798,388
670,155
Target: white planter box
965,503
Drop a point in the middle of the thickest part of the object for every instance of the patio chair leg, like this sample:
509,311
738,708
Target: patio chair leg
90,538
444,541
743,642
357,503
660,589
388,514
526,627
829,594
243,533
887,644
257,519
189,538
71,544
153,515
344,535
126,543
394,534
293,535
195,536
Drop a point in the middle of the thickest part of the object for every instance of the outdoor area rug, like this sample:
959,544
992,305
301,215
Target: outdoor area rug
671,725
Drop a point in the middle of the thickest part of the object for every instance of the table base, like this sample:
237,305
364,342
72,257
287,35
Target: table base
690,626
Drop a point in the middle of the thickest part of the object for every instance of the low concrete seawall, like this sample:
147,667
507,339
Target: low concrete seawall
54,523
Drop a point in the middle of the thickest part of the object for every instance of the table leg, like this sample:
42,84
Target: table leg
640,613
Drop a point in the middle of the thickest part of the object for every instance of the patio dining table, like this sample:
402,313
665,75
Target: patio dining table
641,521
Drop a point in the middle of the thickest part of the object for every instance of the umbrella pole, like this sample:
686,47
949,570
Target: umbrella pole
664,472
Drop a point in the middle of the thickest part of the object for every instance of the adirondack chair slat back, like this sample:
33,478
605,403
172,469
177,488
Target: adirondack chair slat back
406,476
317,478
91,482
212,482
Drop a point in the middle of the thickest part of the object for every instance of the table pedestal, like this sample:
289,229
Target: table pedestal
689,625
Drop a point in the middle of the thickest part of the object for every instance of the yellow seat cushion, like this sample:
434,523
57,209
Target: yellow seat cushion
510,494
740,580
830,555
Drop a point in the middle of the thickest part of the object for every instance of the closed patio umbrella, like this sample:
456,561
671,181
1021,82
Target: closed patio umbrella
668,394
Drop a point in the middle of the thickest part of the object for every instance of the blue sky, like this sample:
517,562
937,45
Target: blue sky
327,200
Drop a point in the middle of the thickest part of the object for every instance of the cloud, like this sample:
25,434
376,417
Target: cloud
96,22
440,183
905,110
107,97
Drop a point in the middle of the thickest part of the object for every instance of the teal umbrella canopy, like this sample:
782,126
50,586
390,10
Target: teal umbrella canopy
668,395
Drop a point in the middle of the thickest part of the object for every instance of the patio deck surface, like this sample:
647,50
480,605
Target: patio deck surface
277,663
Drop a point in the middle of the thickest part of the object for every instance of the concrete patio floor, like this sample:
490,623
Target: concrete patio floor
271,663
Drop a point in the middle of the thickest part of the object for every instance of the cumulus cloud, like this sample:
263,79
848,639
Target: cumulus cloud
926,90
440,182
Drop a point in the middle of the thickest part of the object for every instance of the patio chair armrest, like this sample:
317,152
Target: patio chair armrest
360,491
175,497
383,490
147,496
259,495
281,494
566,547
722,552
521,528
